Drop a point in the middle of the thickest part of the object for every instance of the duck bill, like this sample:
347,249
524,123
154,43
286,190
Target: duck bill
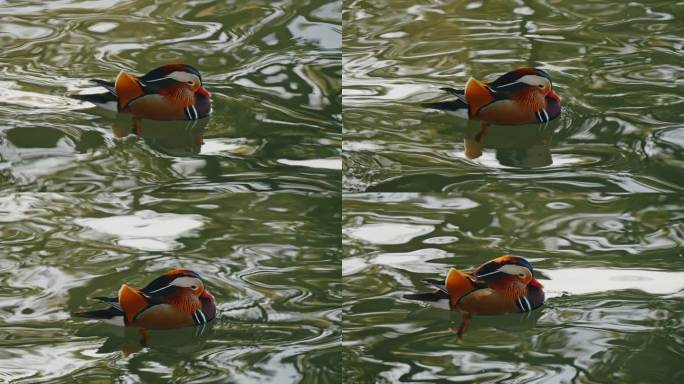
552,95
206,295
202,91
535,283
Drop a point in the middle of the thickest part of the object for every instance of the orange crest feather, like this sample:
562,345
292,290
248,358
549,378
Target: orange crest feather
477,94
457,284
127,88
132,302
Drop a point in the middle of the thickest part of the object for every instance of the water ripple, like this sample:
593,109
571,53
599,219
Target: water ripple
609,264
610,64
273,70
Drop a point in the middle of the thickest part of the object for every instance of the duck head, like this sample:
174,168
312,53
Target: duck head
527,82
178,283
178,80
508,271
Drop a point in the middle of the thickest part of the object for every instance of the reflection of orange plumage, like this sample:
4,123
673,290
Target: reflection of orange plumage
503,285
176,299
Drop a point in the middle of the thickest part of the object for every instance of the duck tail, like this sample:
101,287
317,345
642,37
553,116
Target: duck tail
108,85
452,105
105,100
427,296
103,314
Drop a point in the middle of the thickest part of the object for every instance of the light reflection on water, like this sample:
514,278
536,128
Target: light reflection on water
611,267
616,72
146,230
273,71
270,260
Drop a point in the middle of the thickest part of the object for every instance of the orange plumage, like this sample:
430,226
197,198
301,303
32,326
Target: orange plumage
523,96
170,92
175,299
503,285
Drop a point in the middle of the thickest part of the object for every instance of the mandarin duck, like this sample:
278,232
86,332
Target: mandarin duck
171,92
175,299
523,96
503,285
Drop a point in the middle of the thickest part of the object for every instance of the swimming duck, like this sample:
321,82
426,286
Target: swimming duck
523,96
170,92
175,299
503,285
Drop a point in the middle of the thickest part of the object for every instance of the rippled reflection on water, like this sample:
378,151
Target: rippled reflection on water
273,70
611,266
616,65
271,260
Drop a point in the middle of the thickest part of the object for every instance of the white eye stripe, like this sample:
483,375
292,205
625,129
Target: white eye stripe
532,80
160,289
159,79
490,273
186,282
508,84
513,269
182,77
509,269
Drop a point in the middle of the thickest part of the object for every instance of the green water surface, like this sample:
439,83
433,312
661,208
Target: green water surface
273,70
270,259
616,65
248,198
611,267
309,281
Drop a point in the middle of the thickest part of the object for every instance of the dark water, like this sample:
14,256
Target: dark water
616,65
273,70
613,277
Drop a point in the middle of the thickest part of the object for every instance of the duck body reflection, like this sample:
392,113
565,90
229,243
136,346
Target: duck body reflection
529,147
